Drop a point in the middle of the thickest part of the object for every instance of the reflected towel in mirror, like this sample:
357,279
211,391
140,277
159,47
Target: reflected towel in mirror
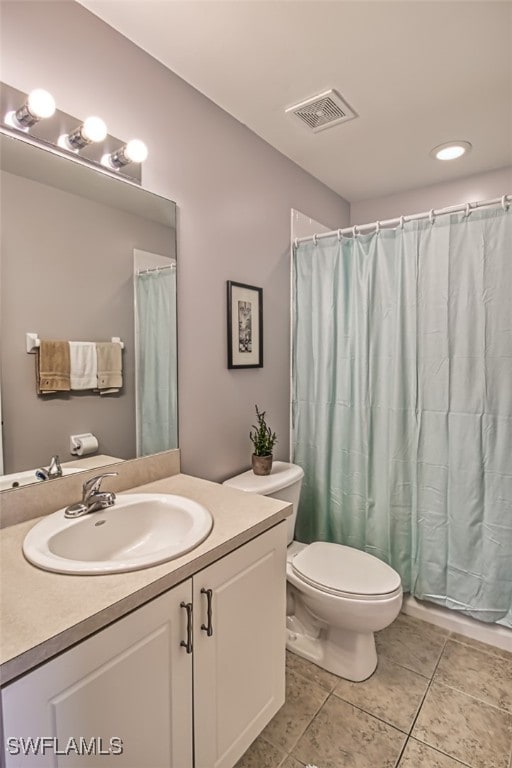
83,364
52,367
110,367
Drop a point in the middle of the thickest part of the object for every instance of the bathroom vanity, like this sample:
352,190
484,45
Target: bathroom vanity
179,666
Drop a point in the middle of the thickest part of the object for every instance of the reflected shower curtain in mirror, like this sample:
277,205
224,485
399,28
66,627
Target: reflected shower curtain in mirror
157,370
402,403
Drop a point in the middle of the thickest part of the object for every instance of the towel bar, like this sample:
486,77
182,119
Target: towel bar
33,342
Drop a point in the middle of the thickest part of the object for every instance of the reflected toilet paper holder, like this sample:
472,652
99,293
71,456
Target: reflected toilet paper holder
83,445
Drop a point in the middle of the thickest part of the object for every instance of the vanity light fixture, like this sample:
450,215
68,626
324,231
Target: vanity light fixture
451,150
39,105
93,129
69,135
135,151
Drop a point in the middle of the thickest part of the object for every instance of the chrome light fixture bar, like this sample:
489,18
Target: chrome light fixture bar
85,141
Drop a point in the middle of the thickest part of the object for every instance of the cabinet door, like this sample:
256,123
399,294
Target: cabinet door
239,669
130,681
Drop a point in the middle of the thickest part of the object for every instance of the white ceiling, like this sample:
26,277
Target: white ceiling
417,73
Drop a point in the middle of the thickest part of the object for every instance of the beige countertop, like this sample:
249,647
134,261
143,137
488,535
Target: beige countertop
43,613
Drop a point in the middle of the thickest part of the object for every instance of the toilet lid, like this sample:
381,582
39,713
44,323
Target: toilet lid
336,568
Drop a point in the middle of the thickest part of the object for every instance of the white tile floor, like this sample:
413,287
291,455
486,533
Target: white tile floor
436,700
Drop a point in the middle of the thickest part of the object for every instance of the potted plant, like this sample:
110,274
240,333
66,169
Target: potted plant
263,440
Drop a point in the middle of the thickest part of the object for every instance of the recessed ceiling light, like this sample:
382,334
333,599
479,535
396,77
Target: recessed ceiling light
451,150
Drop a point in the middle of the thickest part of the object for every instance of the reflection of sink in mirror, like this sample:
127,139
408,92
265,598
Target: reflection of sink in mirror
140,530
17,479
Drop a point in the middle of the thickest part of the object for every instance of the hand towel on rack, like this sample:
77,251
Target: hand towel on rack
52,367
84,366
110,367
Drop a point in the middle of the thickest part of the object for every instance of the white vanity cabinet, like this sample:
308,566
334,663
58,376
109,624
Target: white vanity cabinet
130,681
239,666
197,671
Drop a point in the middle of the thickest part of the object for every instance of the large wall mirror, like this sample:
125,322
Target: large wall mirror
84,257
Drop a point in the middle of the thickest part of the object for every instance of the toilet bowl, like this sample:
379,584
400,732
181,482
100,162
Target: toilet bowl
337,596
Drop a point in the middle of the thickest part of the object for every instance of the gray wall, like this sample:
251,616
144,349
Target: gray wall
67,273
482,186
234,194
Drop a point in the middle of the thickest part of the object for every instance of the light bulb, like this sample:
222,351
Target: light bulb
136,151
40,103
451,150
94,129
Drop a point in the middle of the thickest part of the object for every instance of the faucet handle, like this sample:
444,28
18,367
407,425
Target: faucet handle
55,469
93,485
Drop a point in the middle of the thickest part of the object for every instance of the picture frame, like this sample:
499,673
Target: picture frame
245,325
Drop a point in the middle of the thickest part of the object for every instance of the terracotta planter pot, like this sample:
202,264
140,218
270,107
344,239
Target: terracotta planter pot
261,465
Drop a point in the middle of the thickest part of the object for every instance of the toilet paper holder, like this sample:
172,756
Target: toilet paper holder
82,445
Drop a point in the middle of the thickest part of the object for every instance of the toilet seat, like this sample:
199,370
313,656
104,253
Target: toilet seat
345,572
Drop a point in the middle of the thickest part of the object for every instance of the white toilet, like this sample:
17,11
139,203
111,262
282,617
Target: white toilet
337,596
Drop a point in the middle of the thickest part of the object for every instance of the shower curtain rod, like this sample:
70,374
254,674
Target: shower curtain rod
466,208
155,269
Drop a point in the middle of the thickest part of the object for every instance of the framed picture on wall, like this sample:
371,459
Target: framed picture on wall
245,326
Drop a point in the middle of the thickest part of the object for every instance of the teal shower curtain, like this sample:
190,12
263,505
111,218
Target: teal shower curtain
402,404
157,395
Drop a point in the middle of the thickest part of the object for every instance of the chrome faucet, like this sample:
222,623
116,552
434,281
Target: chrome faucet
54,470
93,498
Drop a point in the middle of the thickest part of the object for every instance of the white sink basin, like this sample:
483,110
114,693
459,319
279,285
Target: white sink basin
17,479
140,530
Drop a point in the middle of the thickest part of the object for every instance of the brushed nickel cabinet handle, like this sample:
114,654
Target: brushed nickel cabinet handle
208,628
188,643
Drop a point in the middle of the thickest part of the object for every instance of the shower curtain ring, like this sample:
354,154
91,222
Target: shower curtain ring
339,235
377,227
401,222
354,231
315,239
504,203
296,242
467,210
431,216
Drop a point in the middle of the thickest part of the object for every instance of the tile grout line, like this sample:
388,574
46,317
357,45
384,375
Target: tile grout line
436,749
409,735
463,692
289,751
491,650
315,682
475,698
370,714
305,676
429,685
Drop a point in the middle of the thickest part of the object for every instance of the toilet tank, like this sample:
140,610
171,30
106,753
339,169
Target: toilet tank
283,483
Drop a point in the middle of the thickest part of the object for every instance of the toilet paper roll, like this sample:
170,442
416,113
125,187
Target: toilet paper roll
84,444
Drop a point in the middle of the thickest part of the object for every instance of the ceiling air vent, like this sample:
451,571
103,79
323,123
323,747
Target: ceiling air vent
322,111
